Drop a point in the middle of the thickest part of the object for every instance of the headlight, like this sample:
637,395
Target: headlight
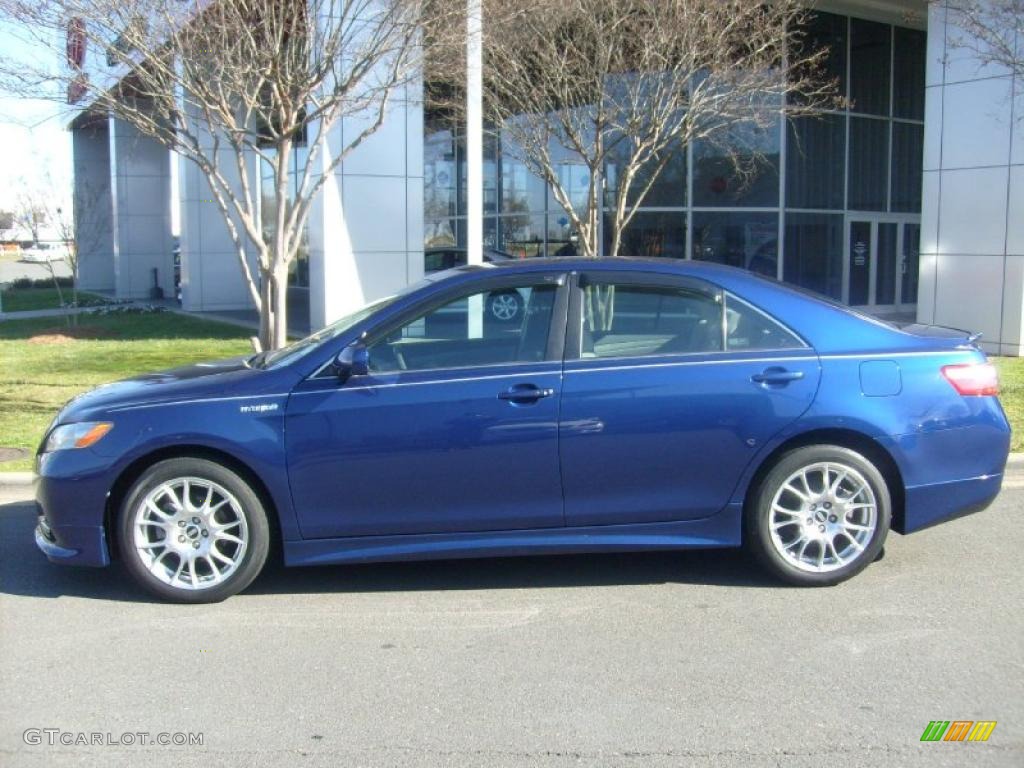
80,435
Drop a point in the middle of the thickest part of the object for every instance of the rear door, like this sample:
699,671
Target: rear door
670,387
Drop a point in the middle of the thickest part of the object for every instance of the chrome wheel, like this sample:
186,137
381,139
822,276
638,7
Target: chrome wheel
823,517
191,533
504,306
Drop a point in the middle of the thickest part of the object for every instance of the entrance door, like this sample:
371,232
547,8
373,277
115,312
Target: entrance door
882,261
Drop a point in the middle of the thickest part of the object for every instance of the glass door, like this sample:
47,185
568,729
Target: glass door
881,261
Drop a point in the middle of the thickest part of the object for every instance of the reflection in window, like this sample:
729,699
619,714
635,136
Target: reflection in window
827,31
522,235
715,181
869,66
747,328
745,240
652,234
869,158
814,252
504,325
815,160
632,321
907,144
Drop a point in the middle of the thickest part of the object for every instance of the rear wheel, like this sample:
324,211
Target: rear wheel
820,516
193,531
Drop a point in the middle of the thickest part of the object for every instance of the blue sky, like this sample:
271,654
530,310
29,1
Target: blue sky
33,139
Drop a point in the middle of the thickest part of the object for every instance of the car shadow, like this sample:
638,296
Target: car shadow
25,572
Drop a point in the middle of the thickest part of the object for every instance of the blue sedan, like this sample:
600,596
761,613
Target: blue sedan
636,404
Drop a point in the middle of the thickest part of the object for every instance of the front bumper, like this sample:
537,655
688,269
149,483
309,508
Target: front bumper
72,544
71,500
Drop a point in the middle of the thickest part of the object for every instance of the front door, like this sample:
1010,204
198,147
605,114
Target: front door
454,429
670,388
882,261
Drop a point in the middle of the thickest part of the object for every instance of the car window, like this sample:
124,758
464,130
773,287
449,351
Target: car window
631,320
749,328
505,325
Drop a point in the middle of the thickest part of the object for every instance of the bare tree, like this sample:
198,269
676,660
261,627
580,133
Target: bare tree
41,204
622,85
223,83
992,30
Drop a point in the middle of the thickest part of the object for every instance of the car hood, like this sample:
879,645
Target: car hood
219,378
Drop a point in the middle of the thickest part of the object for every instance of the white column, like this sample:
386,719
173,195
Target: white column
474,155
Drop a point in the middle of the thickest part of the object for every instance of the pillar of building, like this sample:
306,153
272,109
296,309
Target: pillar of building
366,225
140,184
94,234
972,230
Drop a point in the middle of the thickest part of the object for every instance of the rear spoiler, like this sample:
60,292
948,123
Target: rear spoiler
943,332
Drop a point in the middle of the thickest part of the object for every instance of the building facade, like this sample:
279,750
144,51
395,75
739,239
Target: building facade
905,203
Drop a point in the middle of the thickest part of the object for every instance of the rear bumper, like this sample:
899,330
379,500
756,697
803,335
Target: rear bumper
929,505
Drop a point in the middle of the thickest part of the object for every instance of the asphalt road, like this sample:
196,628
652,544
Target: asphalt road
635,660
11,270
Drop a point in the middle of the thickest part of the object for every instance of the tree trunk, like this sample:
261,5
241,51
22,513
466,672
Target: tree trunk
279,328
267,310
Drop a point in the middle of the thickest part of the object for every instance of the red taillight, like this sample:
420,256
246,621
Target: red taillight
977,379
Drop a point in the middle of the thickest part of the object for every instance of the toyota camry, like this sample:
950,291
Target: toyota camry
632,405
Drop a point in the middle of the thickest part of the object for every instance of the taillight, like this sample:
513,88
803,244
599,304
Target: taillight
976,379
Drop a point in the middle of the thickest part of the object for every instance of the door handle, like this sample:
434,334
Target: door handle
778,376
525,393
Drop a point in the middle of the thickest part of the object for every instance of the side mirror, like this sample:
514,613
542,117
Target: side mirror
353,360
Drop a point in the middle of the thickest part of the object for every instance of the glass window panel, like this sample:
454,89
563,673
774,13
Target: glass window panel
870,44
490,173
827,31
522,235
815,159
651,233
491,328
885,268
910,262
740,239
908,78
668,189
521,191
869,157
438,233
907,151
814,252
747,328
574,178
439,175
715,182
634,321
860,263
562,239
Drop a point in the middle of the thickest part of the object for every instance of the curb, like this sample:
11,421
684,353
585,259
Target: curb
15,479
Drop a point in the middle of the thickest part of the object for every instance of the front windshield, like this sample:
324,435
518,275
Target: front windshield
300,348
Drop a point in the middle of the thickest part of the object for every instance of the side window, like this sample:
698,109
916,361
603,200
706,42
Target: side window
749,328
632,320
505,325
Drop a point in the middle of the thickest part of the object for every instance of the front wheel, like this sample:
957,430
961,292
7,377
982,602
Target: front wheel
193,531
820,515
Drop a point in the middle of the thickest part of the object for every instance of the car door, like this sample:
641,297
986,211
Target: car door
455,428
670,386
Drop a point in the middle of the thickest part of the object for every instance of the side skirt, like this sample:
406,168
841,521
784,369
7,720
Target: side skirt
719,530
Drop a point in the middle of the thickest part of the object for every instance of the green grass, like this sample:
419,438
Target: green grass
1011,393
37,378
24,299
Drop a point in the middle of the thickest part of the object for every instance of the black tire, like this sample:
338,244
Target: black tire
246,503
505,306
820,523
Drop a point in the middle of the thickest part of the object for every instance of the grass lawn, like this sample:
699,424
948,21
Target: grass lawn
1011,387
42,366
24,299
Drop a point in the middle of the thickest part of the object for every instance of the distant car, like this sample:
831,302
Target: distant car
639,405
504,306
42,253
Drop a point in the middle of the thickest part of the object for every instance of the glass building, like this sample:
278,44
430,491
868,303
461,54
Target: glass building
835,206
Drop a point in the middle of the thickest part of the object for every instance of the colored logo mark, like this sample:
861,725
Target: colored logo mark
958,730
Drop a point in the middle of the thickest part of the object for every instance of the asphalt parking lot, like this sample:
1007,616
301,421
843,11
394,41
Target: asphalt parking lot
646,659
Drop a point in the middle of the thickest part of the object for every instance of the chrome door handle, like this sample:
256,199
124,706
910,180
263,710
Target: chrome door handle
776,376
525,393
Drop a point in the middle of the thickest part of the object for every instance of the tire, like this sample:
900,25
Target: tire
817,536
232,538
505,306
